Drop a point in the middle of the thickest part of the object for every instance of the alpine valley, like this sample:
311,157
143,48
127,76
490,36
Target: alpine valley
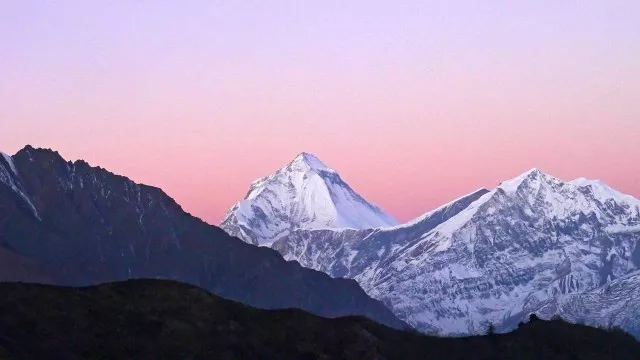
534,244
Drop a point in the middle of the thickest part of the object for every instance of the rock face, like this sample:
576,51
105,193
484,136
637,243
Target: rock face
489,257
612,305
72,224
305,194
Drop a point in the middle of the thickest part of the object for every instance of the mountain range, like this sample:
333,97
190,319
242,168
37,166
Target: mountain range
68,223
535,243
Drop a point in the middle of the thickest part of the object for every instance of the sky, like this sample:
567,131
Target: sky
415,103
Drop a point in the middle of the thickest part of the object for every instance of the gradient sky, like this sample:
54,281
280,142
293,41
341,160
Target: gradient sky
413,102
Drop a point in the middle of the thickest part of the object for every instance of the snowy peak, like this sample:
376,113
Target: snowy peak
307,161
305,194
301,164
535,180
540,195
602,191
533,176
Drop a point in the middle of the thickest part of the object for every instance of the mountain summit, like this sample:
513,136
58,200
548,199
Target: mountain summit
305,194
311,161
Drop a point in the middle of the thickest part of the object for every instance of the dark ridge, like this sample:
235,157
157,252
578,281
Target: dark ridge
28,151
158,319
90,226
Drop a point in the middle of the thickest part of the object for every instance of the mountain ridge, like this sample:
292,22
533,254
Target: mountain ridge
501,252
91,226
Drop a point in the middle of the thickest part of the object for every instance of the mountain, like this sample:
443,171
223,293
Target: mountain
490,257
612,305
68,223
159,319
305,194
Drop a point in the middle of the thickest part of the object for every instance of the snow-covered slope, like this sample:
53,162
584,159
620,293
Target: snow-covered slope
616,304
488,256
10,177
305,194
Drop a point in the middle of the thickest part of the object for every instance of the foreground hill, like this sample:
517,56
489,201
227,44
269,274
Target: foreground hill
68,223
153,319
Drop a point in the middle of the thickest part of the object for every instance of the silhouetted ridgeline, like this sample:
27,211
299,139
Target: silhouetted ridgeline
153,319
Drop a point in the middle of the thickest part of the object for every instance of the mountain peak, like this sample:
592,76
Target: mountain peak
34,153
603,191
512,185
29,148
305,194
305,159
533,173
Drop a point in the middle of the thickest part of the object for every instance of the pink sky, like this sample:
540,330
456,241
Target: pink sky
414,104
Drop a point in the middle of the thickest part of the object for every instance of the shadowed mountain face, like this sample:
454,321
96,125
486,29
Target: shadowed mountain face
72,224
493,256
156,319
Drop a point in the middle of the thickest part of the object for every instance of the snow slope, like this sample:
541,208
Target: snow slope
305,194
9,175
616,304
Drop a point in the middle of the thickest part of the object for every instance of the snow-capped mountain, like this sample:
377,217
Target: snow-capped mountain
614,304
487,257
305,194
